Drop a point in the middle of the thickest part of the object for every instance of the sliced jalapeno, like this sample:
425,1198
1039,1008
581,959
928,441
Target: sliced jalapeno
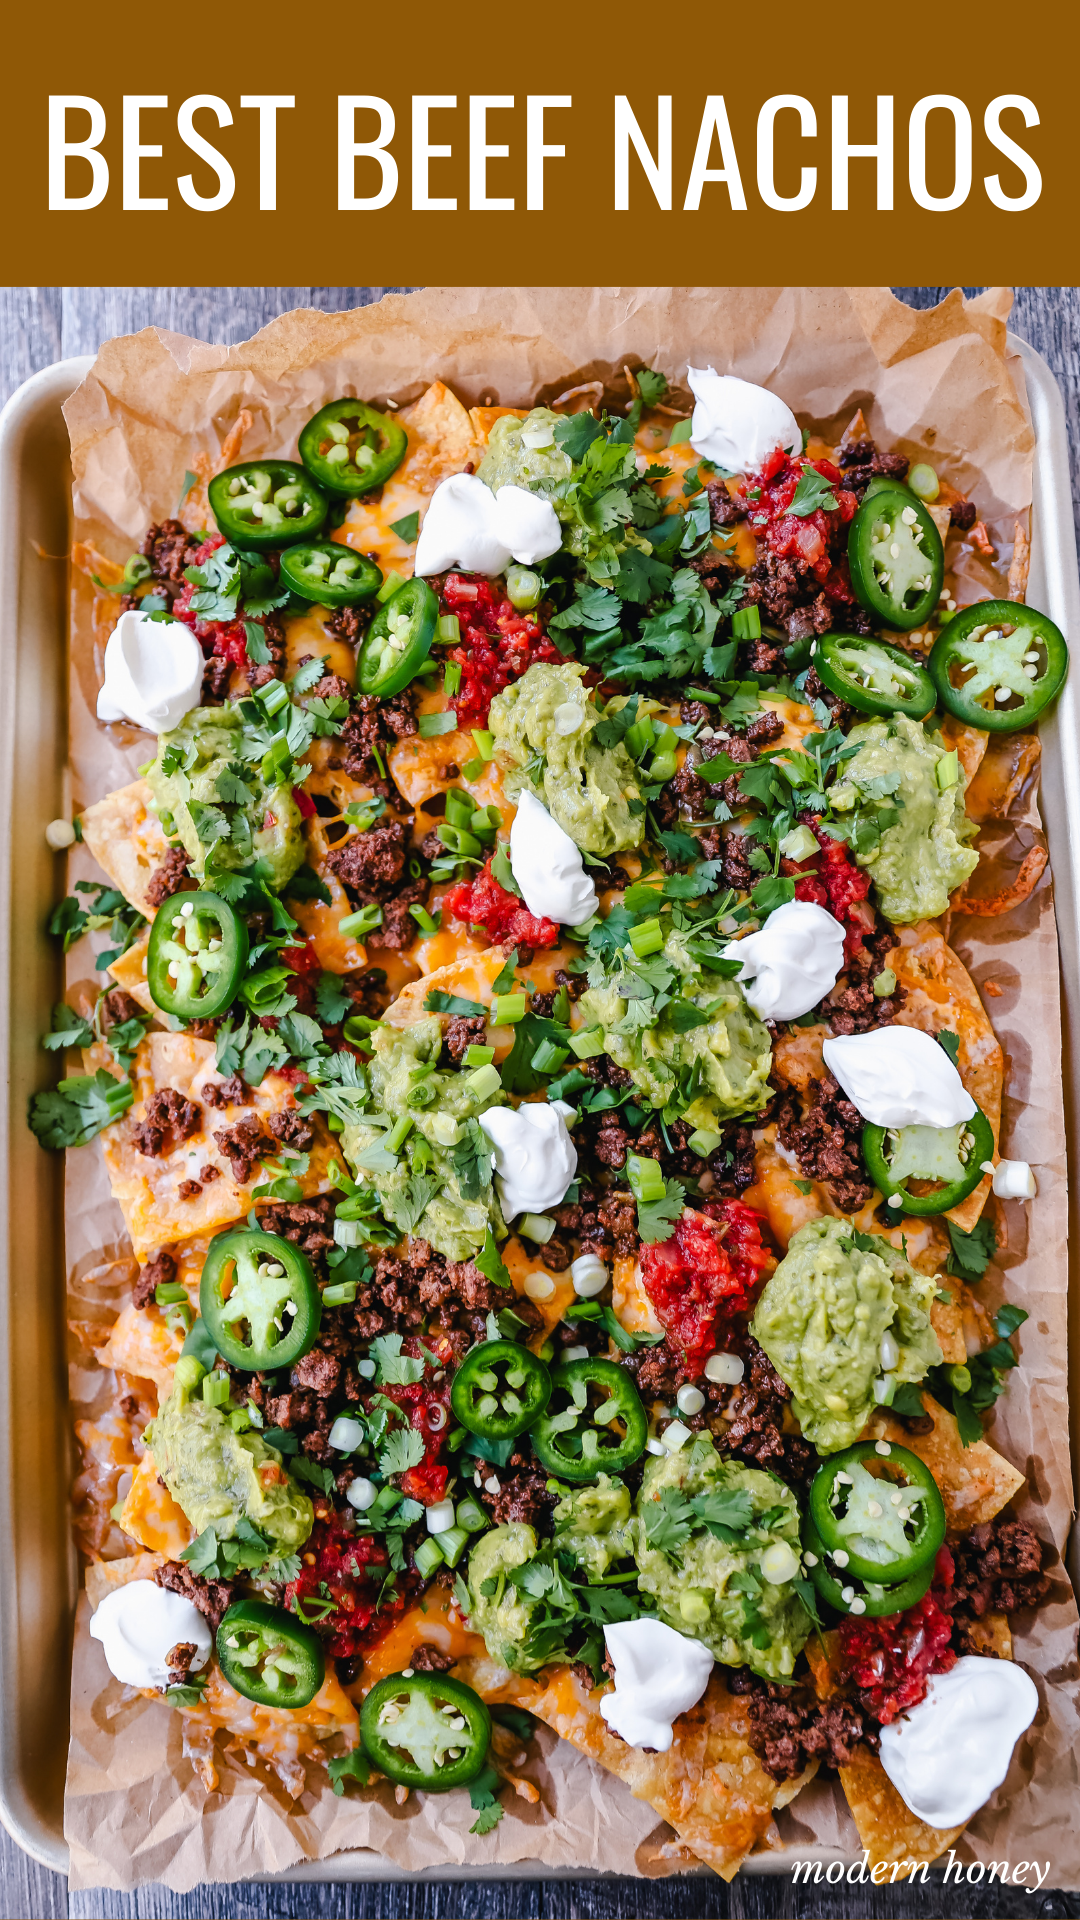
896,558
950,1157
873,677
425,1730
196,955
258,1299
266,503
834,1583
350,448
269,1655
997,664
884,1511
398,640
330,574
594,1422
499,1389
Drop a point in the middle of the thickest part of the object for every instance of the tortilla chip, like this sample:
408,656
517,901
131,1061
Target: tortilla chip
947,1320
709,1786
484,418
151,1516
142,1345
104,1576
967,742
471,977
129,972
126,840
975,1481
888,1829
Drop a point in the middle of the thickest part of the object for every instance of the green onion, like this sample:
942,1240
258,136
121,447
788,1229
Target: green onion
399,1133
923,481
451,680
464,845
537,1226
357,1028
390,586
471,1515
485,1081
179,1319
746,624
460,807
485,743
276,757
341,1295
240,1420
548,1058
647,938
508,1009
216,1388
640,736
424,920
449,630
274,696
428,1556
355,925
524,589
452,1544
479,1056
588,1044
169,1293
645,1177
960,1378
335,1125
704,1141
486,821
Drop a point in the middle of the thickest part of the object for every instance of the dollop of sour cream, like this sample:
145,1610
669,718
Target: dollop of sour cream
736,423
899,1077
793,961
548,866
153,672
467,525
946,1756
534,1156
1014,1180
658,1675
139,1625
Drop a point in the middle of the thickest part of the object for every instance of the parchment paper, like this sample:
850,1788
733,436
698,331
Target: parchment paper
938,383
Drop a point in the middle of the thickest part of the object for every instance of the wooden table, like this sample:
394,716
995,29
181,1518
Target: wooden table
42,324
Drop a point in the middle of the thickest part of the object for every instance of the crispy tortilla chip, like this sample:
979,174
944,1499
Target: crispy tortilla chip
709,1786
151,1516
129,972
484,418
888,1829
142,1345
992,905
470,977
975,1481
1009,761
126,840
104,1576
947,1320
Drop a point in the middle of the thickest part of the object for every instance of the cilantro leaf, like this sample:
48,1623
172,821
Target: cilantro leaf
970,1253
349,1766
517,1070
575,435
651,385
69,1029
406,528
490,1262
305,884
951,1043
471,1159
308,674
78,1108
411,1205
332,1003
504,979
313,1473
255,638
812,492
908,1400
438,1002
726,1512
668,1521
403,1450
488,1810
657,1218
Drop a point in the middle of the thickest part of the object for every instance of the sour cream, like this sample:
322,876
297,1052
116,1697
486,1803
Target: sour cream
548,866
467,525
737,424
946,1756
139,1625
153,672
658,1675
792,962
899,1077
535,1159
1014,1180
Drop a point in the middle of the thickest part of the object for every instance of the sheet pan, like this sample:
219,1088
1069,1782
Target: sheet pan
38,1573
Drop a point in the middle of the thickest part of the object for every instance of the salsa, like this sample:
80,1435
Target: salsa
426,1407
814,539
219,639
337,1589
890,1659
831,879
498,644
710,1270
482,902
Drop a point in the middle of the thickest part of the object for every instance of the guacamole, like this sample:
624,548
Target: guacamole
456,1187
821,1320
510,462
689,1040
220,1477
266,826
709,1582
922,857
544,726
593,1525
504,1615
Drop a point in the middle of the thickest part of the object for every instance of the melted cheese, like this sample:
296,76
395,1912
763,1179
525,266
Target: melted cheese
151,1516
125,837
442,440
629,1301
434,1620
141,1345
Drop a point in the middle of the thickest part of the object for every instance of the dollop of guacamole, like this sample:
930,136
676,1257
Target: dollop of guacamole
594,1526
459,1200
504,1613
707,1579
923,856
585,787
508,462
821,1319
220,1477
689,1040
265,826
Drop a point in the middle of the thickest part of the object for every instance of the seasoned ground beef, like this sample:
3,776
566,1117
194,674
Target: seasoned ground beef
656,1371
998,1569
319,1371
856,1009
158,1271
215,681
178,1661
398,926
756,1433
374,725
169,548
188,1189
291,1129
212,1597
115,1007
462,1032
373,863
309,1224
225,1093
827,1143
428,1658
169,1120
522,1492
789,1727
173,876
244,1146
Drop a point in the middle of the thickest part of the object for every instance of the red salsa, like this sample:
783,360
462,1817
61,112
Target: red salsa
710,1270
337,1589
831,879
482,902
890,1659
815,541
223,639
498,644
426,1406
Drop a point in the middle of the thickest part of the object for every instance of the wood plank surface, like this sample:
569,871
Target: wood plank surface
37,326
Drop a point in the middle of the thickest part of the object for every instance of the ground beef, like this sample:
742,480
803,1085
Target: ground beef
522,1493
618,1211
428,1658
374,724
398,926
291,1129
372,863
169,547
319,1371
158,1271
861,462
169,1120
173,876
656,1371
225,1093
827,1143
244,1146
723,510
212,1597
178,1661
309,1224
188,1189
756,1433
789,1727
215,681
115,1007
463,1031
962,515
857,1009
997,1569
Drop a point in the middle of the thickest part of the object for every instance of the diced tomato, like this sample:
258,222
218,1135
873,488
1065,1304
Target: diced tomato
302,959
482,902
498,644
891,1659
831,879
340,1578
223,639
426,1404
814,540
305,805
710,1271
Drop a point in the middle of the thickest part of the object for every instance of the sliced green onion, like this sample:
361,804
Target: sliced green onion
923,481
424,920
356,1030
341,1295
640,736
485,742
449,630
355,925
428,1556
460,807
645,1177
588,1044
746,624
390,585
647,938
451,682
485,1081
680,431
399,1133
479,1056
169,1293
274,695
537,1226
216,1388
508,1009
464,845
548,1058
704,1141
471,1515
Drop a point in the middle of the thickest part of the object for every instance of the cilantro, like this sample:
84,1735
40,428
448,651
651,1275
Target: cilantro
281,1439
411,1205
679,846
255,642
222,1559
970,1253
332,1002
471,1159
438,1002
950,1042
200,1344
626,1342
406,528
403,1450
497,1452
210,823
430,725
490,1262
107,911
519,1075
503,872
308,674
1007,1319
69,1029
78,1108
651,385
728,1512
349,1766
812,492
657,1218
504,979
668,1521
488,1810
576,434
395,1368
190,1693
316,1476
770,893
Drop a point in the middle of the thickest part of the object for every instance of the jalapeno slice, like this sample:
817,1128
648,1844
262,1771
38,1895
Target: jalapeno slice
425,1730
950,1157
330,574
594,1422
896,558
350,448
877,1601
269,1655
398,640
196,955
873,677
267,503
259,1299
883,1510
997,664
499,1389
